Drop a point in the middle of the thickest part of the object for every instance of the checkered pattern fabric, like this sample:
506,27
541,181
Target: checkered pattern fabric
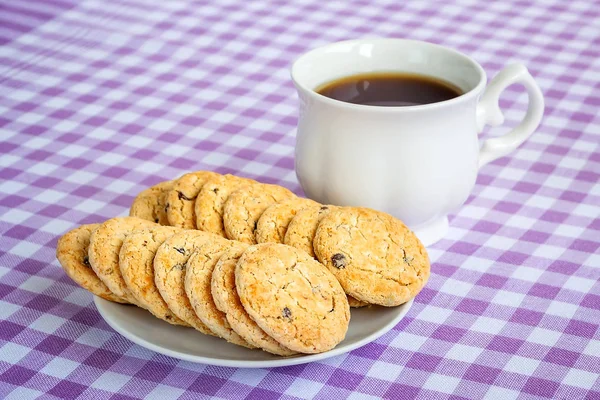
99,100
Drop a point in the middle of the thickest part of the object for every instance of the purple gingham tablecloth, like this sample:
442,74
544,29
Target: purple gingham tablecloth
99,100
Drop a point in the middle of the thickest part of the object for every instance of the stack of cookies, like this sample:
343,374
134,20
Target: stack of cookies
375,257
267,296
247,261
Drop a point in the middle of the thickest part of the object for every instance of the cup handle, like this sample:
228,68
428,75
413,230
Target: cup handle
489,113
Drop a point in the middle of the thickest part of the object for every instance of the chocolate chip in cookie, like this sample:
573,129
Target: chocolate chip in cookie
338,260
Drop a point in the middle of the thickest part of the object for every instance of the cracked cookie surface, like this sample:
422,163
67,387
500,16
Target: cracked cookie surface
151,203
302,228
273,223
103,253
244,207
374,256
292,297
198,276
170,269
72,254
136,261
211,201
226,300
182,198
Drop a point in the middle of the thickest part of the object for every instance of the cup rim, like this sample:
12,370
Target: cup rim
390,109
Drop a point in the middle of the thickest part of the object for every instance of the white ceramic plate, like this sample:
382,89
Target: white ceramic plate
139,326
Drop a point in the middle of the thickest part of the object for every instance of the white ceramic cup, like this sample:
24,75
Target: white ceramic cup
418,163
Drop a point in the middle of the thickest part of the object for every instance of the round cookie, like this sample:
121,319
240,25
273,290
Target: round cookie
136,261
151,204
182,197
170,269
197,287
244,207
72,254
211,200
374,256
292,297
103,253
302,228
227,300
273,223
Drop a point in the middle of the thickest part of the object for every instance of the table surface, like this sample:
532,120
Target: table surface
99,100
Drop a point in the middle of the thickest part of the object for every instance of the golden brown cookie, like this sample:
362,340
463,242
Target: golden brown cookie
182,197
197,287
374,256
170,269
211,200
72,253
136,261
292,297
302,228
227,300
103,253
244,207
273,223
151,204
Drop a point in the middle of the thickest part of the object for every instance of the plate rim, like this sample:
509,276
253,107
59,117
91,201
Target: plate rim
101,305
